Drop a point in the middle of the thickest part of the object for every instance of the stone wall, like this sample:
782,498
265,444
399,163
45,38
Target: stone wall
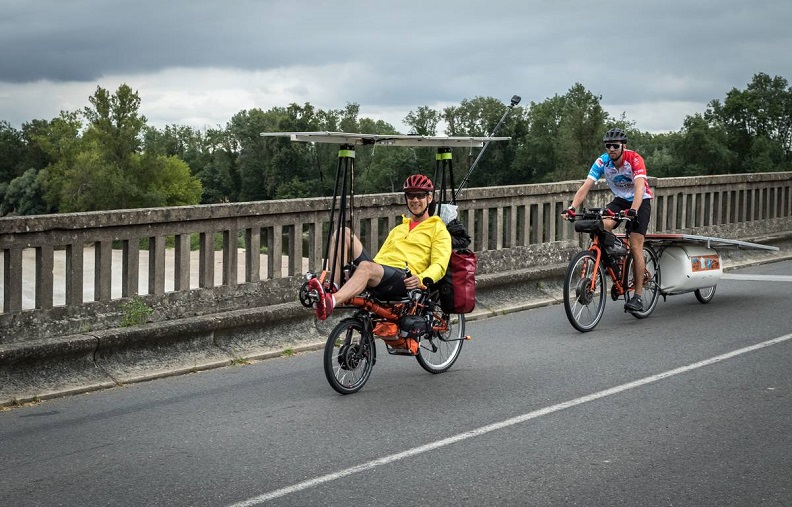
217,296
73,273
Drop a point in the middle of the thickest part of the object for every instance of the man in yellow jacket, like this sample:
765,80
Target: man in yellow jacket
421,243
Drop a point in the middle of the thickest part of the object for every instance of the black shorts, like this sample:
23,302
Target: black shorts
641,224
391,287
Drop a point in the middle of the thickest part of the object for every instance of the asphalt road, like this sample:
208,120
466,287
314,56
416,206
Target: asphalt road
690,407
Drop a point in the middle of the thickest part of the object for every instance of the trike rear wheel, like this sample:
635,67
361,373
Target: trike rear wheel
584,292
439,351
349,356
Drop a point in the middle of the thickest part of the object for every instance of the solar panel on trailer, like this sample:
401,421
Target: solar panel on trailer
709,241
385,140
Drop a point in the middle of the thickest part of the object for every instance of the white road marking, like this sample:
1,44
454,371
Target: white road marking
758,278
500,425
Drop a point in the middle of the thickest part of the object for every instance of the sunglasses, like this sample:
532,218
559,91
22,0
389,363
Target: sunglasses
415,195
613,146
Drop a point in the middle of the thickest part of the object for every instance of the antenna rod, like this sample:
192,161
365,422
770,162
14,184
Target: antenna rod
514,101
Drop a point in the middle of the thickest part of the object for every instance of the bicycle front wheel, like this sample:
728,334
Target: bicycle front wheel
651,286
584,292
439,351
349,356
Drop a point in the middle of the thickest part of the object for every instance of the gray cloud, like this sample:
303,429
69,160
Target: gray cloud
412,53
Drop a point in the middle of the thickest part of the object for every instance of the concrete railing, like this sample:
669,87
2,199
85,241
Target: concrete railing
69,273
218,283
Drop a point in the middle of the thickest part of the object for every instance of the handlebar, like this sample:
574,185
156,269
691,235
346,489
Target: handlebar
596,214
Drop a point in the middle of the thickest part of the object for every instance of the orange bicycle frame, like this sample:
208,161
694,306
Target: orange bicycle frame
393,313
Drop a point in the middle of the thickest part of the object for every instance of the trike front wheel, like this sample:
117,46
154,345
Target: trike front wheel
349,356
584,292
440,350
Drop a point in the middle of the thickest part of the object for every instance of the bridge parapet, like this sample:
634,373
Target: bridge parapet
71,273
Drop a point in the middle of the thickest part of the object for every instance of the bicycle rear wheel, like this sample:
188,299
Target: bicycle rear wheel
439,351
349,356
584,304
651,287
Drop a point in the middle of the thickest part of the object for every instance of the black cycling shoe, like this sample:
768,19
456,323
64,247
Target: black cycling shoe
635,304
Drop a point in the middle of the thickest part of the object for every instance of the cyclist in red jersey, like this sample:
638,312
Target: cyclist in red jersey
625,173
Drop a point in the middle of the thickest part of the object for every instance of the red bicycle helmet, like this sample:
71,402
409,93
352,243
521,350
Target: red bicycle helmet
418,183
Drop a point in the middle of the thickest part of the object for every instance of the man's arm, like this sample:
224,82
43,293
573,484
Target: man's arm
640,186
440,256
582,192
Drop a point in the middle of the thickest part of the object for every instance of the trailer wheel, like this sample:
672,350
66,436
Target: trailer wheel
705,295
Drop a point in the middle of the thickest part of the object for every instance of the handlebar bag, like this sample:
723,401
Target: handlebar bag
588,225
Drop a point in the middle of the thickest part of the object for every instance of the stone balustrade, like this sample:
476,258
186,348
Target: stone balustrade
69,273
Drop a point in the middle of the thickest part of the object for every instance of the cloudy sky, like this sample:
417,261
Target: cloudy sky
199,62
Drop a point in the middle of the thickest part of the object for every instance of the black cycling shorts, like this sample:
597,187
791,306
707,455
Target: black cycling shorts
641,224
391,287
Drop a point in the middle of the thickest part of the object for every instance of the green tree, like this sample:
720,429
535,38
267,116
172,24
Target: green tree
564,135
217,167
660,151
170,184
114,123
92,183
703,149
24,195
580,132
423,122
35,156
12,148
266,163
60,142
538,156
104,168
761,113
477,118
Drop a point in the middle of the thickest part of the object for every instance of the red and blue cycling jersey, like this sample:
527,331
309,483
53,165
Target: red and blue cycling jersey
621,180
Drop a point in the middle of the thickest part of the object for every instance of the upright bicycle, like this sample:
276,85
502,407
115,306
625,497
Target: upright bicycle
608,256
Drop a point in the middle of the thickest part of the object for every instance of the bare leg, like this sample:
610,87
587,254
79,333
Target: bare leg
367,274
636,249
352,248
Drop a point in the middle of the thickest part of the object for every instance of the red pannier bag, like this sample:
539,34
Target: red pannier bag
458,286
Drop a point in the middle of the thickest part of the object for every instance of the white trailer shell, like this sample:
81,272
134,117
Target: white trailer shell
685,268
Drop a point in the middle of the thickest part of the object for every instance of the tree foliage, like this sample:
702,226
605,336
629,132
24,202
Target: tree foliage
100,165
106,156
757,122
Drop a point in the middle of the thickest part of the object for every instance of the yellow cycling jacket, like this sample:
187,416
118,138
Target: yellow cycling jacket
426,249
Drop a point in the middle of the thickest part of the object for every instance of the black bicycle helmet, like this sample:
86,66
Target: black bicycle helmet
615,135
418,183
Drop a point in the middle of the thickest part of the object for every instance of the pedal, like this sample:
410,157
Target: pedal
307,297
468,337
